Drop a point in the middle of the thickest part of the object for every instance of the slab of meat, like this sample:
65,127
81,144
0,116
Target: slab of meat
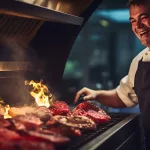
97,117
92,111
30,122
8,135
36,135
26,145
88,106
62,129
15,111
78,112
11,140
81,122
59,108
4,122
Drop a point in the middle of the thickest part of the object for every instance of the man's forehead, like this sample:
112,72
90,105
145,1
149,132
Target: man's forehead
139,9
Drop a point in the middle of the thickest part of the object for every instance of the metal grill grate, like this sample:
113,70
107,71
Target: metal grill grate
87,136
18,28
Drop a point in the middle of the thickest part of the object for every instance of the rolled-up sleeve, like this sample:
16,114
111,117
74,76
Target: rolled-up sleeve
125,90
126,93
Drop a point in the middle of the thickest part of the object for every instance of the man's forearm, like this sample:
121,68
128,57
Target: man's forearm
110,98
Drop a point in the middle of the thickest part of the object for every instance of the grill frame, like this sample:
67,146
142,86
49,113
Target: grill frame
115,136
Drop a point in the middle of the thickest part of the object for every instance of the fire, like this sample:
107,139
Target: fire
40,92
4,109
6,115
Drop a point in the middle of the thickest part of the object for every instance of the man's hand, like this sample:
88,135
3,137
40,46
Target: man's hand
88,94
109,98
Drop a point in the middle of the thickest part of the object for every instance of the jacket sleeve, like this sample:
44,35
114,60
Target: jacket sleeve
125,90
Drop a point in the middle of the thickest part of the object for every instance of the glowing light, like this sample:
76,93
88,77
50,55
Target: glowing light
6,115
40,92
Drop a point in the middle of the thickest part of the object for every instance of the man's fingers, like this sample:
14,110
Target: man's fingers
76,98
87,98
81,92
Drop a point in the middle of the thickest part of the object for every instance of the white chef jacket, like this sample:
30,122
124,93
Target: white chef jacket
125,90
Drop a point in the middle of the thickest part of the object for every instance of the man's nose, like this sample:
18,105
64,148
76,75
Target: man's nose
139,24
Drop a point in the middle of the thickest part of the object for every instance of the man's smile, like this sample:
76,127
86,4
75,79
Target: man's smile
145,32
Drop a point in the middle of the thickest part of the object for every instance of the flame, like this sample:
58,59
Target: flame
40,92
4,109
6,115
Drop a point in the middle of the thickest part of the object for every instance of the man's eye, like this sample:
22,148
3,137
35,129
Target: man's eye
144,17
132,21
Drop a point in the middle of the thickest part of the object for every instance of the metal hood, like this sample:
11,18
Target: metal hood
47,30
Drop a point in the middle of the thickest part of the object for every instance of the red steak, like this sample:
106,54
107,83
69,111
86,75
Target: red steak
4,123
26,145
59,108
28,122
87,106
98,117
79,112
8,135
92,111
37,136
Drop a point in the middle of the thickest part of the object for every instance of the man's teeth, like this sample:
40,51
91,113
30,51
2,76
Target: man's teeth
141,33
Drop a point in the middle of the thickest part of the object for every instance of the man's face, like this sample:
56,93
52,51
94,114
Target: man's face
140,21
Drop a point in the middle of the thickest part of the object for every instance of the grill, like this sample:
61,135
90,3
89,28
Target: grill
88,138
40,35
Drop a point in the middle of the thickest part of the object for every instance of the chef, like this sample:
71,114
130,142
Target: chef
135,87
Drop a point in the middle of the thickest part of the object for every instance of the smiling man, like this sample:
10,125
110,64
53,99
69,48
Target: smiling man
140,20
135,87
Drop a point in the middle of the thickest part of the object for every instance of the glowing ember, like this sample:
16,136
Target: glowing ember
6,115
40,92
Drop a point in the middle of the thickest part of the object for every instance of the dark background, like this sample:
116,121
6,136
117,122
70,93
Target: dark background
102,53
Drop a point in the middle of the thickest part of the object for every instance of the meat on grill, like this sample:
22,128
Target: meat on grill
61,124
58,139
92,111
28,122
26,145
97,117
80,122
4,122
58,128
8,135
59,108
15,111
40,136
87,106
78,112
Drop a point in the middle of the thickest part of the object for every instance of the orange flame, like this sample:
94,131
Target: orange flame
6,115
40,92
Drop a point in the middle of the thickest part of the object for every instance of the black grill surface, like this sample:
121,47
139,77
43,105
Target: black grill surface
77,142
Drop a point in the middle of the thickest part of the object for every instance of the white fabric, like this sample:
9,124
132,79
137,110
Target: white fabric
125,90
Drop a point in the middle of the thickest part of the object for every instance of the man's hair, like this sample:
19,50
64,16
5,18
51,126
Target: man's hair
137,2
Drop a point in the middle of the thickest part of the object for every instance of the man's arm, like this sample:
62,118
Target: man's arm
109,98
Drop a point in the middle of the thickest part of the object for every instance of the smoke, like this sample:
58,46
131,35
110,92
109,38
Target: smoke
23,65
27,66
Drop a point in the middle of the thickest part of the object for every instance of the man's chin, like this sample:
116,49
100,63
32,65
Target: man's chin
146,43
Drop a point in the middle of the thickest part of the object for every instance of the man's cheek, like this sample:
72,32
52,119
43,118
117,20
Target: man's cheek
137,36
